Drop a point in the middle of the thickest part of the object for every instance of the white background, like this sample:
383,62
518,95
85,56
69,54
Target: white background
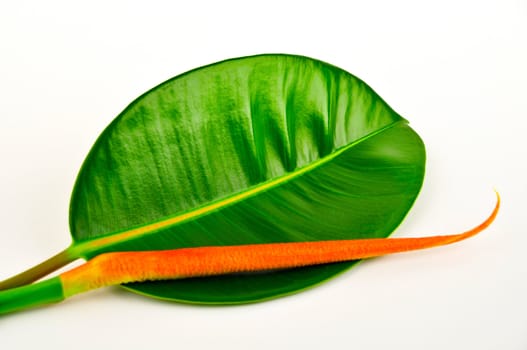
455,69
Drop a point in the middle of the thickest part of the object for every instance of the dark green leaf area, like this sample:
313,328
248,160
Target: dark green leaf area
352,166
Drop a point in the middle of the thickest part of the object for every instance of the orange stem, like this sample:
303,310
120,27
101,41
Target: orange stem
124,267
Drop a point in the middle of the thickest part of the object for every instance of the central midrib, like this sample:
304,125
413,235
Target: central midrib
82,248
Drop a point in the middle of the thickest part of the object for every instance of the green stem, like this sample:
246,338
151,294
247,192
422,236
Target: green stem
38,294
50,265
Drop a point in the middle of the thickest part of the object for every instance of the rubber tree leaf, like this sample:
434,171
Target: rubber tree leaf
262,149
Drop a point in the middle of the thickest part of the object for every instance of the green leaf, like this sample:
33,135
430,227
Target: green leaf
269,148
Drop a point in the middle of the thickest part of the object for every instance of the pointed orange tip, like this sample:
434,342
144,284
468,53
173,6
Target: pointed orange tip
497,195
496,208
487,222
491,217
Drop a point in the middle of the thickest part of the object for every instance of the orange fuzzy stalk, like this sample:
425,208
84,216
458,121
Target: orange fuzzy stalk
124,267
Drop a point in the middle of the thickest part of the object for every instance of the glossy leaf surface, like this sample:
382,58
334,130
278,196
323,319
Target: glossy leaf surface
270,148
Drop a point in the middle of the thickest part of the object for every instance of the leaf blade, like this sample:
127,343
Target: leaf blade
278,126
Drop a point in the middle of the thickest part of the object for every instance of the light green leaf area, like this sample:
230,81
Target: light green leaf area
269,148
